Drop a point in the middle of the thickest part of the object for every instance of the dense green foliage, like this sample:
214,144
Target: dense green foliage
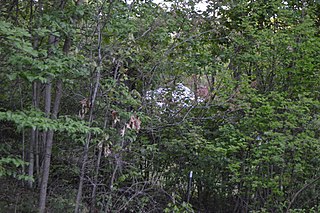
79,131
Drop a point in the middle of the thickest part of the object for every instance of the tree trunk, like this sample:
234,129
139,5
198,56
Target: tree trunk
88,139
48,149
31,158
95,181
48,138
44,134
91,104
37,151
33,136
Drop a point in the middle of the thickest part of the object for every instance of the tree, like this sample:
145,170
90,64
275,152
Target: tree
80,130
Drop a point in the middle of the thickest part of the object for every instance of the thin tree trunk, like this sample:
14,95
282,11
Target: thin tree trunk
31,158
50,133
44,134
34,151
95,181
23,154
37,151
33,137
47,106
82,170
88,138
23,136
47,136
47,157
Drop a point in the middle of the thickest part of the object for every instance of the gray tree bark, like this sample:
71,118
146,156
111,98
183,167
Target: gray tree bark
48,150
